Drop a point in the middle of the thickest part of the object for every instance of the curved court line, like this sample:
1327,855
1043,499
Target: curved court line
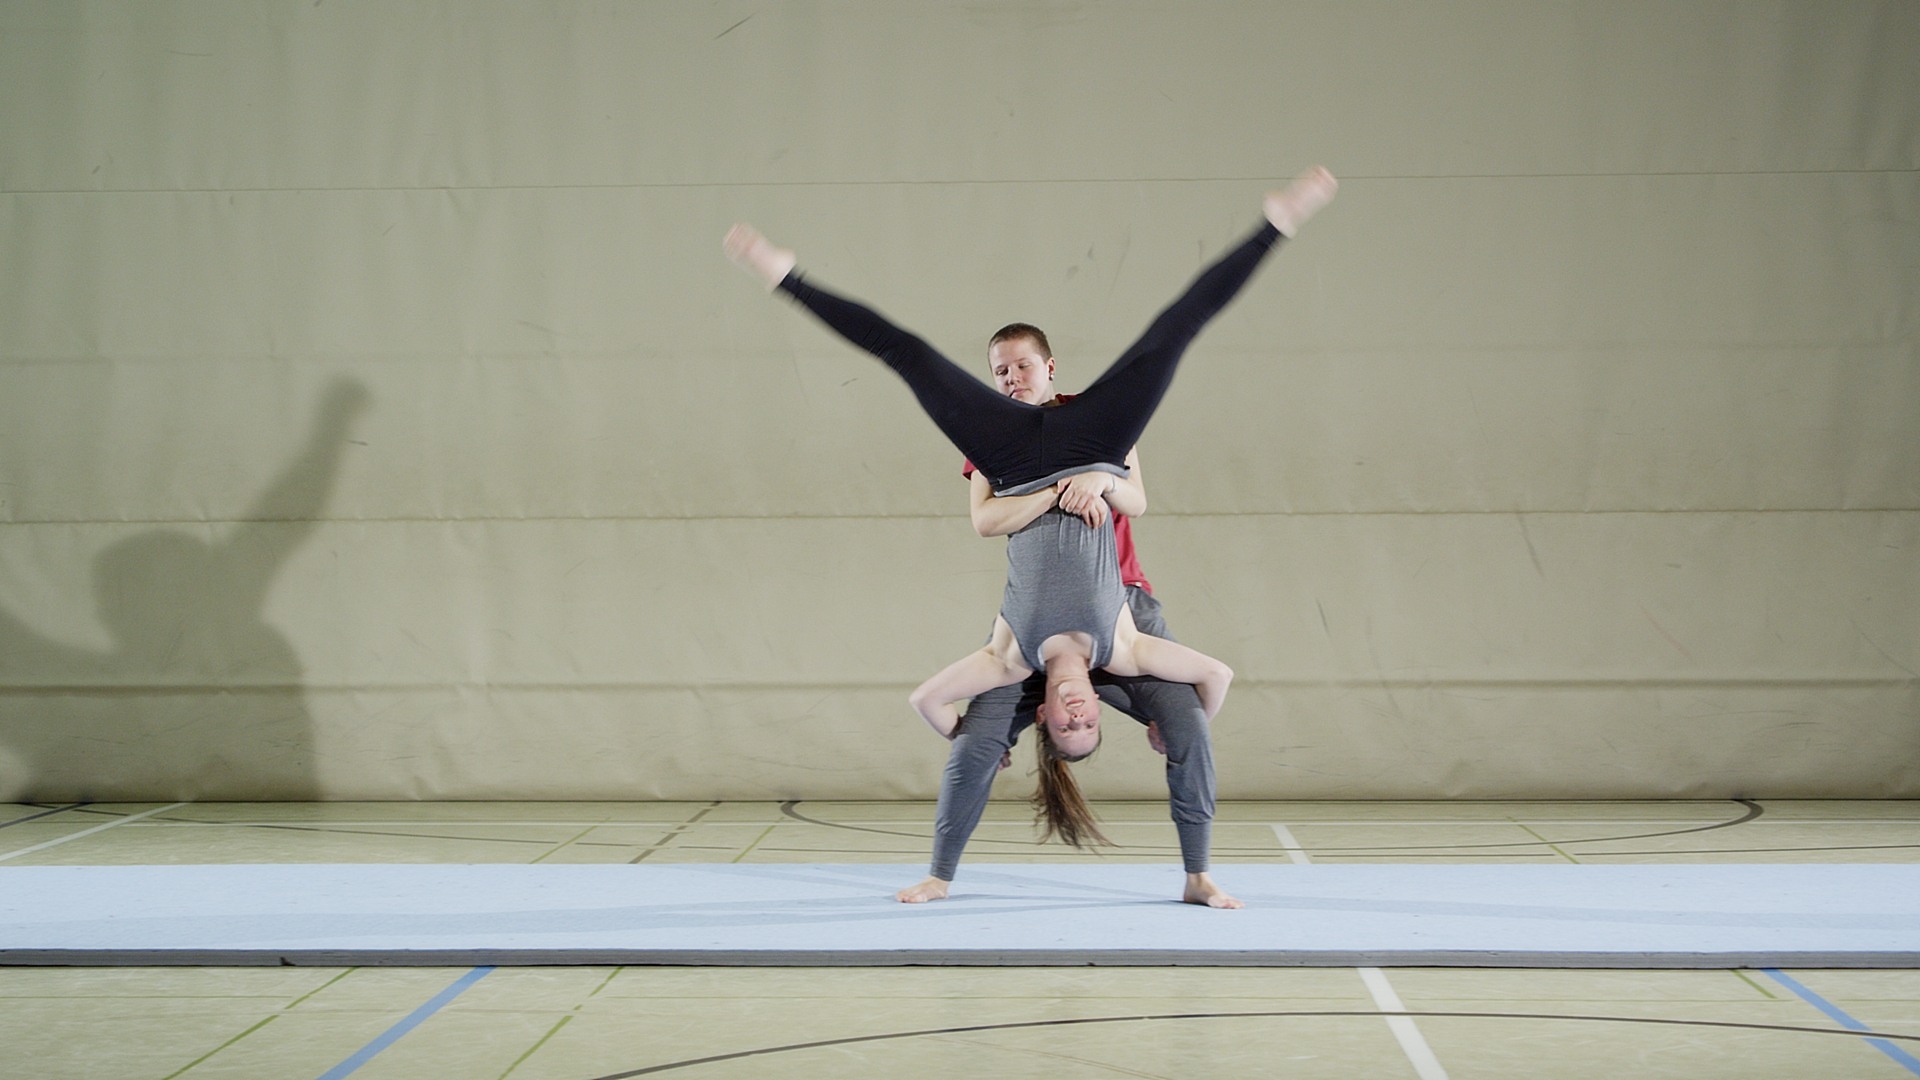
1754,810
787,808
1369,1014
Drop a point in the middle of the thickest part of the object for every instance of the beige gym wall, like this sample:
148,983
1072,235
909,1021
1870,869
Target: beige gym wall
378,418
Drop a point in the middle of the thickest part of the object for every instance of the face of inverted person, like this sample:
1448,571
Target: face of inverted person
1020,371
1071,713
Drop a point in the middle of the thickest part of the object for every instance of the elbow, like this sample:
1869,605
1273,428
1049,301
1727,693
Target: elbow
988,526
922,701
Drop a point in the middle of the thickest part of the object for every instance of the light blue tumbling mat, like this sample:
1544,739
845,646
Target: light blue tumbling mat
1640,916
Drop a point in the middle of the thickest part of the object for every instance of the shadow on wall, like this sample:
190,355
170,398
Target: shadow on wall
199,698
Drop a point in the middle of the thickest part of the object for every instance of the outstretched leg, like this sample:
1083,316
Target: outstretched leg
1105,421
999,435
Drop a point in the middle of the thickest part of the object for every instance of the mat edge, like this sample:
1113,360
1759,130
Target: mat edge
940,958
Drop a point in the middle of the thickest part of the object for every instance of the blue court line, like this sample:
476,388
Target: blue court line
1912,1063
413,1020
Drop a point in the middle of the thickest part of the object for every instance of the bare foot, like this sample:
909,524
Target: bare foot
1201,890
934,889
1290,207
745,246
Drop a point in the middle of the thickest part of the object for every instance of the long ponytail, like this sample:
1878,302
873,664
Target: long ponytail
1058,806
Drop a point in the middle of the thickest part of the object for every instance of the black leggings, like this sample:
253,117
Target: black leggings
1021,447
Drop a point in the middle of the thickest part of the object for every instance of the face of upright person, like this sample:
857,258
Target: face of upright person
1021,371
1071,713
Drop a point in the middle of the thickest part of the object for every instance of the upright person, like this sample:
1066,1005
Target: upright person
1022,366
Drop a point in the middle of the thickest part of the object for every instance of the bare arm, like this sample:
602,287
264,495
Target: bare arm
1000,516
1085,493
1175,662
1089,495
977,672
1129,496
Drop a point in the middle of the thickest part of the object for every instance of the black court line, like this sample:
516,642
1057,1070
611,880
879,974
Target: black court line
352,832
787,808
677,830
337,829
1754,810
84,808
1368,1013
41,814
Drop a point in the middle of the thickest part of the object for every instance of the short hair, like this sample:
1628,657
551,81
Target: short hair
1014,331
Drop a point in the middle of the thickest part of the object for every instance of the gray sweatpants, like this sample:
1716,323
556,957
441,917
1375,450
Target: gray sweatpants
995,719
